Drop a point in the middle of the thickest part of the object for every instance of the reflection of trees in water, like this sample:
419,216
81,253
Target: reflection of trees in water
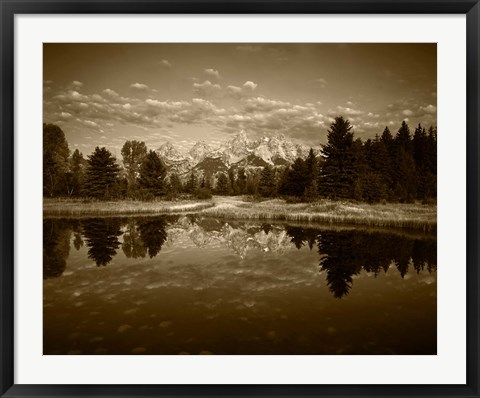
132,245
301,236
344,254
101,237
153,235
56,247
145,236
266,228
77,234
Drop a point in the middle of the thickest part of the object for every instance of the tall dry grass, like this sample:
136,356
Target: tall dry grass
73,207
414,216
332,212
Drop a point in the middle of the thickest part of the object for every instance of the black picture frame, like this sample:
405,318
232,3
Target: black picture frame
10,8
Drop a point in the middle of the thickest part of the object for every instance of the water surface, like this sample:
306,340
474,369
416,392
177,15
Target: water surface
193,285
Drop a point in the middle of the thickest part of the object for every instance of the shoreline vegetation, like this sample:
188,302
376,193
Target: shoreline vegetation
389,181
391,215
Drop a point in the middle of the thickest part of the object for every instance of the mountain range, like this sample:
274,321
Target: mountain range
240,151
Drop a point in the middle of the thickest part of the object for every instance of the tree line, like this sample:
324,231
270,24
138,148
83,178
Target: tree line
400,168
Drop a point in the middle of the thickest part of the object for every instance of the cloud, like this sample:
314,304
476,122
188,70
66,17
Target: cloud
205,89
76,84
234,89
111,93
70,96
165,64
320,81
347,111
261,104
65,116
407,112
249,85
430,109
253,113
89,123
139,86
246,90
212,72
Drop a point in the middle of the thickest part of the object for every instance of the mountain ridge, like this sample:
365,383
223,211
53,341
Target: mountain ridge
240,151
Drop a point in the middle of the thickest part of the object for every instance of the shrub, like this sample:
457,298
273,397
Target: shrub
203,193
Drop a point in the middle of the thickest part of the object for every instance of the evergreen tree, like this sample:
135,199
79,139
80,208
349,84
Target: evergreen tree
311,191
406,177
223,185
152,174
430,177
241,181
388,166
55,160
299,177
266,185
231,181
311,165
251,186
387,138
361,169
283,182
101,174
377,179
403,138
175,185
420,152
404,171
192,184
337,176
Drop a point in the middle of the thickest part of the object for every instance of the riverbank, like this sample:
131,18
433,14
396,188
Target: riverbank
396,215
80,207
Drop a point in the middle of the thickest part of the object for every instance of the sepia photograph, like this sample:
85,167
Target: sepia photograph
239,199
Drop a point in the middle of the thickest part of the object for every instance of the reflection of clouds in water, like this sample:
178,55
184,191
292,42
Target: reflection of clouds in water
253,278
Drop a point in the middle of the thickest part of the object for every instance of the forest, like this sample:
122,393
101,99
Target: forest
388,168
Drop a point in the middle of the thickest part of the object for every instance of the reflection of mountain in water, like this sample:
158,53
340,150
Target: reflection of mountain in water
342,253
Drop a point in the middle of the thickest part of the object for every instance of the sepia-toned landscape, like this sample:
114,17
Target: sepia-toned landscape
239,199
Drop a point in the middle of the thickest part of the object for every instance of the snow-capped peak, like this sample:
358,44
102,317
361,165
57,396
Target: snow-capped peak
273,150
199,151
168,151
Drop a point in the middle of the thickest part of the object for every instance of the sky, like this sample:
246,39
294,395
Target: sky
106,94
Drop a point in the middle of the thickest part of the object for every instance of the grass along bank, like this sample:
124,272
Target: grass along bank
395,215
79,207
